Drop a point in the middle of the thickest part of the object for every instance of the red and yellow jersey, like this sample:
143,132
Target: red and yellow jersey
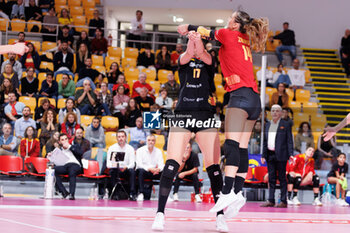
301,166
236,60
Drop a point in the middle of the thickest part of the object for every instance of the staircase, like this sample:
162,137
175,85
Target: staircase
331,87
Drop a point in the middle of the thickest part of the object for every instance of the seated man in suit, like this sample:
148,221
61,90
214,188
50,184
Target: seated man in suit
277,148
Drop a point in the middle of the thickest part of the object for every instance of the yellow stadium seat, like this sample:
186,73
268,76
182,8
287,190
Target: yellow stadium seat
318,120
176,76
18,25
60,2
310,107
37,44
60,7
302,95
52,100
12,41
46,65
131,73
160,141
89,3
300,117
220,92
155,85
4,23
114,51
271,46
218,79
110,123
31,23
97,60
74,3
43,151
41,78
269,91
151,74
109,60
79,20
28,101
128,62
131,52
111,138
46,45
80,28
295,106
290,94
99,68
61,103
89,12
85,120
307,75
76,11
163,75
48,55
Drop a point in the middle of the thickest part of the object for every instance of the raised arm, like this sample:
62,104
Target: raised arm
188,54
331,131
18,48
199,48
185,28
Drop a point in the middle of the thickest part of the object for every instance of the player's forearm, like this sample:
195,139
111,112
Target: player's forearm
189,53
343,123
202,53
210,34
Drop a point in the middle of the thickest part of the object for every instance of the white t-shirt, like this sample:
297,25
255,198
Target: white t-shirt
268,75
272,135
147,160
134,24
129,159
297,77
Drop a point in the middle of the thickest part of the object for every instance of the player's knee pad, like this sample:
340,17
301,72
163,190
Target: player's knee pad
243,161
297,182
315,181
171,168
290,179
231,150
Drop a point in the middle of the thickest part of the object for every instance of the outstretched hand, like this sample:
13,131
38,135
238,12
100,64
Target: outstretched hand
20,48
330,132
182,29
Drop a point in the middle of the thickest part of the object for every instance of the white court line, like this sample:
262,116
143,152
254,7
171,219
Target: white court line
30,225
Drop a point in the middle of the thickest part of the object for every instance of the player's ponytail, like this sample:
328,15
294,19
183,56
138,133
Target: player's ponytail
256,28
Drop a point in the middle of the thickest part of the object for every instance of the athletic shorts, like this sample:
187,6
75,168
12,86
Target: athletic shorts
194,121
248,100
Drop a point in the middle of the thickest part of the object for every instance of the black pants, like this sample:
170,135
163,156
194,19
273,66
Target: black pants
127,174
193,177
273,167
134,37
47,37
70,169
142,174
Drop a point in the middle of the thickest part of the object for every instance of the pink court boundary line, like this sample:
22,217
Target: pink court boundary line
30,225
201,219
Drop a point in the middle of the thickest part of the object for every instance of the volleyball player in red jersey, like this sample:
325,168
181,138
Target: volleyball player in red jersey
244,106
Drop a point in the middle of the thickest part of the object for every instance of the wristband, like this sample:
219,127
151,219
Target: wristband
192,28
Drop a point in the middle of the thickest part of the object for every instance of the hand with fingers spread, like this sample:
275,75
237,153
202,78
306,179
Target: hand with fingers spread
330,132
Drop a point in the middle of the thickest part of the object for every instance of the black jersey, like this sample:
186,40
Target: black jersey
196,85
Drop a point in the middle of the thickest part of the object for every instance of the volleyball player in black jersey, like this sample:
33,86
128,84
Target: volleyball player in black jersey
196,85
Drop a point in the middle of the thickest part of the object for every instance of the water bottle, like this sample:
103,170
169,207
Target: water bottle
279,198
91,196
95,193
49,183
1,191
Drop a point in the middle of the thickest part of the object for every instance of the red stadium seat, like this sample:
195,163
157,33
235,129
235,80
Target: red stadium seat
39,164
11,165
93,171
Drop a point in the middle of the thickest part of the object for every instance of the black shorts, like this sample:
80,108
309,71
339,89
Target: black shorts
192,120
248,100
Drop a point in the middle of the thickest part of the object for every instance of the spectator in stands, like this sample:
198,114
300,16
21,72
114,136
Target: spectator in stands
164,101
16,65
101,78
188,170
21,38
278,147
82,54
163,60
24,122
286,112
82,142
48,126
40,110
255,139
33,12
53,142
95,22
280,97
218,115
146,59
149,164
63,60
326,149
72,168
87,73
126,167
304,138
31,59
50,18
70,107
144,101
12,76
175,56
215,60
120,104
4,10
5,88
18,10
66,20
345,51
30,84
121,82
64,35
132,113
99,44
104,101
138,134
302,173
280,76
138,26
141,83
86,99
84,38
66,87
172,87
297,77
95,133
268,77
208,46
287,38
46,5
30,145
14,109
8,142
70,125
337,176
49,87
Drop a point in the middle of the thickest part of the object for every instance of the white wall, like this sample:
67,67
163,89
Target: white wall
317,23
